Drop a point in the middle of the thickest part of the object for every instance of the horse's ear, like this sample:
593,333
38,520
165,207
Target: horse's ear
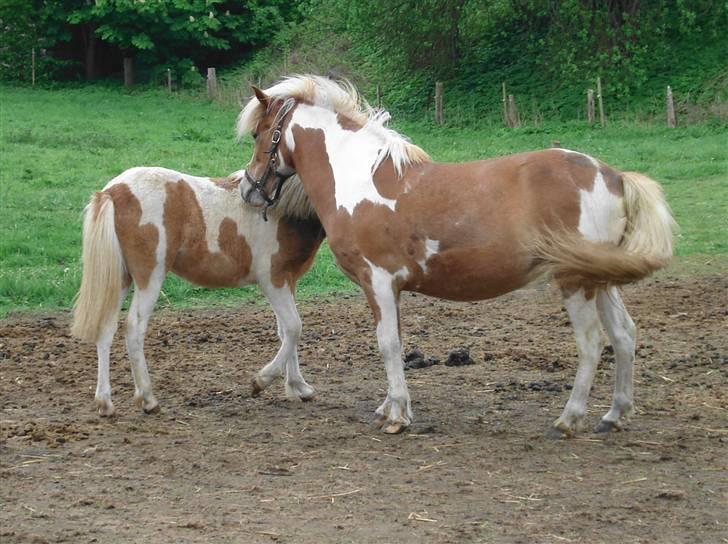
261,96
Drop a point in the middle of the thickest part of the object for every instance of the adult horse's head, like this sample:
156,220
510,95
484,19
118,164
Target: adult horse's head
288,122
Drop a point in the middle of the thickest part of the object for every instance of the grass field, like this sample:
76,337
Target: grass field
58,146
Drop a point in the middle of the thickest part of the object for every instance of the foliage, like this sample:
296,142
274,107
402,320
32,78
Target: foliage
168,33
27,26
59,146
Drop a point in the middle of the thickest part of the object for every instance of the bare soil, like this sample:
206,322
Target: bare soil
216,465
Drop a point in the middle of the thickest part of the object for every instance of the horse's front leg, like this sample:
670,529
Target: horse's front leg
395,413
286,360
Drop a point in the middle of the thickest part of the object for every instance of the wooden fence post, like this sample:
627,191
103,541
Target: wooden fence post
439,118
506,118
590,106
169,79
379,96
514,121
601,103
211,83
32,67
671,120
128,71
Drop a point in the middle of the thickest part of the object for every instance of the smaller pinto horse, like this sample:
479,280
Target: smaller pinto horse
397,221
150,221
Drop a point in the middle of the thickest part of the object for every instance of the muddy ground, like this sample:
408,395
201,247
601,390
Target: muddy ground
219,466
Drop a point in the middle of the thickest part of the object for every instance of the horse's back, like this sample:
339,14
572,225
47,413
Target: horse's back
193,226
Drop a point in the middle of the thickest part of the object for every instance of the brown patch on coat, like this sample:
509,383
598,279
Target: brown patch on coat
138,242
298,241
310,155
569,289
612,179
581,170
386,181
188,254
228,183
347,123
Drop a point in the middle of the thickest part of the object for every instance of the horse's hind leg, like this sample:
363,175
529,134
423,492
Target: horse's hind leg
582,309
286,360
103,349
623,336
140,311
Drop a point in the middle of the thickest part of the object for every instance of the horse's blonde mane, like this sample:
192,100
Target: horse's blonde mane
294,202
342,98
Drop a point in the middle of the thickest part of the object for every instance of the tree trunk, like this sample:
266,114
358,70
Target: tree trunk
90,56
128,71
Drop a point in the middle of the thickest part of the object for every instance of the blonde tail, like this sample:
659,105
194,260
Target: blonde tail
646,245
650,225
97,302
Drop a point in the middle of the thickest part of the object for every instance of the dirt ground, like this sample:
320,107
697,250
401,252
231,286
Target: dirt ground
216,465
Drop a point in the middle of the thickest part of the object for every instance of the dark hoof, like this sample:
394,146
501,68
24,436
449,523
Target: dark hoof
555,433
153,410
378,422
607,427
255,388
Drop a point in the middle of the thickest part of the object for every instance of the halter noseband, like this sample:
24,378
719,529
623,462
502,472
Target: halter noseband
258,185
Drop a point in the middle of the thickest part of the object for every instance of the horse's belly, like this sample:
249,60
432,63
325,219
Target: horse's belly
471,274
213,271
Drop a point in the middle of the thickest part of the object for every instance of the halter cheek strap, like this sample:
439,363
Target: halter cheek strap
271,168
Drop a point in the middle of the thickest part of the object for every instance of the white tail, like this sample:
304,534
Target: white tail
97,303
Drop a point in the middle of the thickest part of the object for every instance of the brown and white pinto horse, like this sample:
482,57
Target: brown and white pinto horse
149,221
397,221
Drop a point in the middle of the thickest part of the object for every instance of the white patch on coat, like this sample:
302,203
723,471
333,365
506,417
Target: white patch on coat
352,156
431,248
602,216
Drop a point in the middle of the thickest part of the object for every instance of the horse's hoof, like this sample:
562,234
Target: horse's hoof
557,432
105,408
308,398
255,387
378,422
154,409
607,427
300,392
148,406
395,428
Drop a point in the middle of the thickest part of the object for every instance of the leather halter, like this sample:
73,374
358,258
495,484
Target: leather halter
258,185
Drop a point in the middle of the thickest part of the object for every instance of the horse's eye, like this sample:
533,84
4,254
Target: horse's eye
255,135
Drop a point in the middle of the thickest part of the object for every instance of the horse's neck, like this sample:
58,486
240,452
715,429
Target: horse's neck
335,164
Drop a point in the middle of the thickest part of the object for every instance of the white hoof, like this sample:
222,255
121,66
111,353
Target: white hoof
300,391
105,406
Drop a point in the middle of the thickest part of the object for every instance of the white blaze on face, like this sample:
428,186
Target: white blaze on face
351,155
602,216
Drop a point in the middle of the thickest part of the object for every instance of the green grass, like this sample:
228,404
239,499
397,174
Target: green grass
58,146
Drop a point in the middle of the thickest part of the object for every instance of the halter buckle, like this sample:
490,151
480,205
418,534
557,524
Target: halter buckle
276,136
